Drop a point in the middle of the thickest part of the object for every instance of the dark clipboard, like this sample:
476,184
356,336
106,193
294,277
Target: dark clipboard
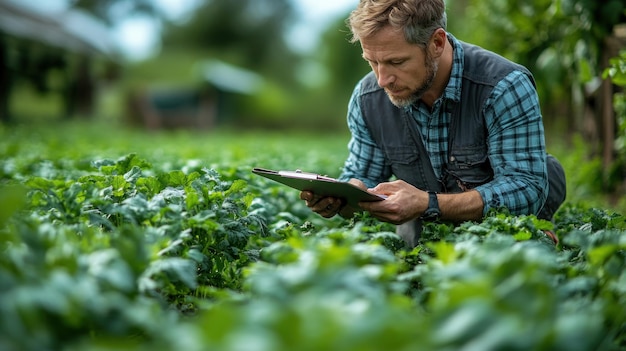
320,185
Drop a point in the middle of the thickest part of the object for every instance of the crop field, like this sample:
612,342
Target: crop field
114,239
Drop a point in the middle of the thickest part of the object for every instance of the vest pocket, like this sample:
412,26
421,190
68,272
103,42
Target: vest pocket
405,164
469,166
402,155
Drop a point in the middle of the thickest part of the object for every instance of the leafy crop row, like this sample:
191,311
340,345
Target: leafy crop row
130,254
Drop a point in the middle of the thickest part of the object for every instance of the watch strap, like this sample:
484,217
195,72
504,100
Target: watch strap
432,211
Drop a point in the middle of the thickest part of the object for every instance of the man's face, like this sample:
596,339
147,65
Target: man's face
406,71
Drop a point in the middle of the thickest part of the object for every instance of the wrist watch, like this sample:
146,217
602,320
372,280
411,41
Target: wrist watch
433,212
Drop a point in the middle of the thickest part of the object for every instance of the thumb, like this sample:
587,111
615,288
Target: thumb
382,188
389,188
358,183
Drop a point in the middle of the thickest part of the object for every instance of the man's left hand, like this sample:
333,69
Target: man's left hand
404,202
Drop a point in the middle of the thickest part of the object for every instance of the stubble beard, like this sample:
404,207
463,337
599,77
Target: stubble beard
431,73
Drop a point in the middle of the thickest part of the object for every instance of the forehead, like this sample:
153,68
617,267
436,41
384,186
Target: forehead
387,42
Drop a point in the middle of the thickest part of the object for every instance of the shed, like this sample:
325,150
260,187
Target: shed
24,27
217,98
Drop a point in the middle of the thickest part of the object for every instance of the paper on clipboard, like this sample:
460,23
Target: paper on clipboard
320,185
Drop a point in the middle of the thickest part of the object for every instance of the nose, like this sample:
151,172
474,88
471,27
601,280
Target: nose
385,77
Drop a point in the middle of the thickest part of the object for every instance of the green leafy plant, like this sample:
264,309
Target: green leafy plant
161,250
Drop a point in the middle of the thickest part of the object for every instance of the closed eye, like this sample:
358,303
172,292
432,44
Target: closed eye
394,63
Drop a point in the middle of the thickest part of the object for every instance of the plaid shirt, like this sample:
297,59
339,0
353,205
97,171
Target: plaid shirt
515,140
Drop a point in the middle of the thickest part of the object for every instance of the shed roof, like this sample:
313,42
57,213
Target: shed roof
230,78
72,29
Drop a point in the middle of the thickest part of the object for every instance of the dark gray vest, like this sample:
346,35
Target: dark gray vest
395,132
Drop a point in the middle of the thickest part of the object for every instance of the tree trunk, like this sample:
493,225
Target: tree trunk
606,111
5,83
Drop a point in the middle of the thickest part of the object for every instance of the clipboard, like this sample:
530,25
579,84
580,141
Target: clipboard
320,185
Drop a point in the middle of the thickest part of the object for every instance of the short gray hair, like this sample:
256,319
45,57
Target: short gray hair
418,19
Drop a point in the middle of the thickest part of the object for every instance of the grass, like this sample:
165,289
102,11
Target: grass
217,148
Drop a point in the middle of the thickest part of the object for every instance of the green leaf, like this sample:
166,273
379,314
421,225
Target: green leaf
444,251
127,163
12,199
132,175
236,187
523,235
169,270
192,198
40,183
175,178
599,255
119,185
150,186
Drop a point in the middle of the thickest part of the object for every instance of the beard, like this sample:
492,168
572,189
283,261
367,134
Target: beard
417,93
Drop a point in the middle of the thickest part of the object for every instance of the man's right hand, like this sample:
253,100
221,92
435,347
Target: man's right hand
328,207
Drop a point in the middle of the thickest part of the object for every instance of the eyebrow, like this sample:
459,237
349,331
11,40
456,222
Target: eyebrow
391,59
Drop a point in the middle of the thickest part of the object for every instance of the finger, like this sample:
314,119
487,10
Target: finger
372,206
328,212
306,195
365,205
388,188
383,188
329,207
334,206
323,205
310,198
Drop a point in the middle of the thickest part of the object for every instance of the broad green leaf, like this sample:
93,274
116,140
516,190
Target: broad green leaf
192,198
150,186
445,252
175,178
522,235
119,185
599,255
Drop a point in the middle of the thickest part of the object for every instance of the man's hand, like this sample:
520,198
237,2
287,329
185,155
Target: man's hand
328,207
404,202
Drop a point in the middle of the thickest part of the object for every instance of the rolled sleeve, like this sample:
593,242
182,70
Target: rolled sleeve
516,148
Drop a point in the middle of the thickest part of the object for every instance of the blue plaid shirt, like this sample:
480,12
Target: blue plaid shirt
515,140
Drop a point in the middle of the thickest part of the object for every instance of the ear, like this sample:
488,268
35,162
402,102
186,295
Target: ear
438,42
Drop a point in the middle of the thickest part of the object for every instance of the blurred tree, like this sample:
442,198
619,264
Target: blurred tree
328,77
616,175
565,43
248,33
342,60
561,41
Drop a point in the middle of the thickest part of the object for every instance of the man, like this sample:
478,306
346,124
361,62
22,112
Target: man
458,127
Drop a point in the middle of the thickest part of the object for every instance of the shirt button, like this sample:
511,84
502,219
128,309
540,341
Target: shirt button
452,158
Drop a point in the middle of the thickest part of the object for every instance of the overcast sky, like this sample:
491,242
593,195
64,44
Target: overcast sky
138,37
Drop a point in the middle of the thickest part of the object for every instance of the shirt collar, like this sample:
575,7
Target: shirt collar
453,89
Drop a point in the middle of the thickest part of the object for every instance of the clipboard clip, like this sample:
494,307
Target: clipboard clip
305,175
